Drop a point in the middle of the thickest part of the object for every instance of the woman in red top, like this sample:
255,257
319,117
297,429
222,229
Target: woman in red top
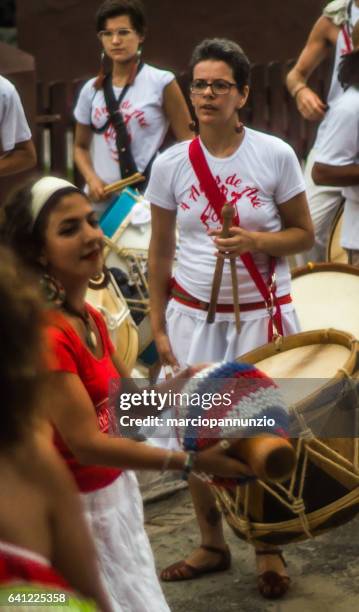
45,544
53,228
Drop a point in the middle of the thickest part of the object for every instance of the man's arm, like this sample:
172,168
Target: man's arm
322,37
336,176
21,157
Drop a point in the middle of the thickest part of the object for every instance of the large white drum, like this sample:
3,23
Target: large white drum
327,296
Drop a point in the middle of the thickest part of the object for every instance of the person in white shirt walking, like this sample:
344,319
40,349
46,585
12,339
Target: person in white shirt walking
333,29
17,151
337,160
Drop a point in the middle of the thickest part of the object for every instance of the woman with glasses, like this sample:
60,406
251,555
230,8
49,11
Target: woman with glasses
260,177
148,98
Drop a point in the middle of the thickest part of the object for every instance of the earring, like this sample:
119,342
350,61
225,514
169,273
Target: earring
239,128
193,126
53,290
100,280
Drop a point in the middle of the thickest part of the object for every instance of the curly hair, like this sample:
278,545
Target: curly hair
222,49
20,341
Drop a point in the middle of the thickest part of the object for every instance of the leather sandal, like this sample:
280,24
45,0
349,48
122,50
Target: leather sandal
272,585
185,571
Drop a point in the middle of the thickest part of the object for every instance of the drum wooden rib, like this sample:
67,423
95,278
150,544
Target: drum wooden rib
123,331
335,252
324,489
327,295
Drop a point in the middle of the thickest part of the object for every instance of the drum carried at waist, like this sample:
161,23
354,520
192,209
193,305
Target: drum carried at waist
127,228
122,329
326,295
314,373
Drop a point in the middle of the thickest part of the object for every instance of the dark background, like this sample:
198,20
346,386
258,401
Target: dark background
61,35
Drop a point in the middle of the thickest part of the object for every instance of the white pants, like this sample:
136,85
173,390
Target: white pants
115,516
323,202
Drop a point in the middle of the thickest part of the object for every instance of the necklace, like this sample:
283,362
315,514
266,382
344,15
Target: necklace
90,336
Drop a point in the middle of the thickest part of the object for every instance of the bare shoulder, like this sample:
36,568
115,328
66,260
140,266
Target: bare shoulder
44,466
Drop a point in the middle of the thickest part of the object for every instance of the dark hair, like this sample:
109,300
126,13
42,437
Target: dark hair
224,50
21,362
17,230
348,74
115,8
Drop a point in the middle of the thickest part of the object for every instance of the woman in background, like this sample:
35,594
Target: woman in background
149,99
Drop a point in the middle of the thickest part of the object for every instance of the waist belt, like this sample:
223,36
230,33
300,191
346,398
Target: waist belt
182,296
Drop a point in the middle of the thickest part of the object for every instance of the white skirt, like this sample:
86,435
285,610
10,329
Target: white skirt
193,340
115,516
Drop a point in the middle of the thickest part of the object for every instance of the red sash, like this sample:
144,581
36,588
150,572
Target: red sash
347,38
217,199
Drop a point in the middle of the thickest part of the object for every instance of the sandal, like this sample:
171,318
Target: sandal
184,571
272,585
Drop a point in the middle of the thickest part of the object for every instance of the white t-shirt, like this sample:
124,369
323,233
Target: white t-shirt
336,89
262,174
13,125
143,115
340,147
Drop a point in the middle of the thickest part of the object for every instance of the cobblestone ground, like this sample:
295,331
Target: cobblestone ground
324,571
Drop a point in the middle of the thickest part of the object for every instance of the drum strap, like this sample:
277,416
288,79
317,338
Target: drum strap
217,200
347,38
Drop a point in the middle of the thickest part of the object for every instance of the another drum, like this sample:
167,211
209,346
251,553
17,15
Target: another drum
123,331
324,489
127,227
327,295
335,252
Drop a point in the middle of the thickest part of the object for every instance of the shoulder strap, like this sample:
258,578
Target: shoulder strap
217,200
125,158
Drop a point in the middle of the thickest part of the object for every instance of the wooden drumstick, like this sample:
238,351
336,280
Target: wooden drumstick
227,215
269,457
118,185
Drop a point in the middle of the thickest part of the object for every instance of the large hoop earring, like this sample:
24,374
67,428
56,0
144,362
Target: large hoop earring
52,289
101,280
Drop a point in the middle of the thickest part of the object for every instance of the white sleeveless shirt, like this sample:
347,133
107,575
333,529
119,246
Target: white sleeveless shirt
343,46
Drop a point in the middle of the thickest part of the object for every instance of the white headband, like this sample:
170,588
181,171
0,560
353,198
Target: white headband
42,191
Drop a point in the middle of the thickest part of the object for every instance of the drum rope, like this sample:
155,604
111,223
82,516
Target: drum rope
354,389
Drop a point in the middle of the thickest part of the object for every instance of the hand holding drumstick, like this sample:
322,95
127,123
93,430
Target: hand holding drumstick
227,215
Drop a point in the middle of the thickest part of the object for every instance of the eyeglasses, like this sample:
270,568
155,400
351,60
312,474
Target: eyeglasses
218,87
110,34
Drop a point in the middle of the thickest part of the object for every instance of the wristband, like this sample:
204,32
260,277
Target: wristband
188,464
298,90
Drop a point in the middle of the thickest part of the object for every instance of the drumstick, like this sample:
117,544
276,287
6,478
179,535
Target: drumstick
227,214
235,293
118,185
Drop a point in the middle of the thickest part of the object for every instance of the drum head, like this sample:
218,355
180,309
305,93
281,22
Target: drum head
324,490
327,296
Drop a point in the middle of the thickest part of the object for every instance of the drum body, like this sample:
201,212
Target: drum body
127,227
123,331
324,489
335,252
327,295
